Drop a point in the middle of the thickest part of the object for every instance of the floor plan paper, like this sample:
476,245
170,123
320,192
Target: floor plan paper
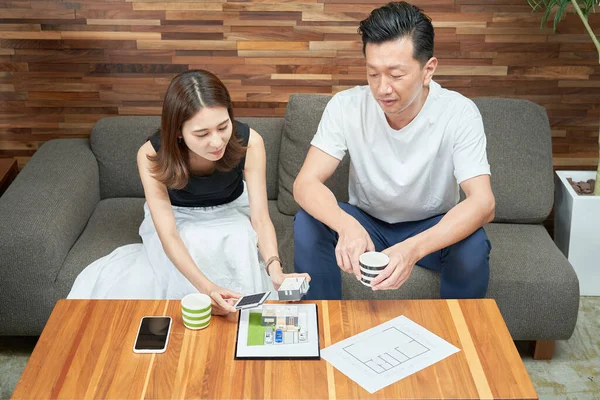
387,353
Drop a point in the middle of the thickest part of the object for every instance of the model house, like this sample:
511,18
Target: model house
293,289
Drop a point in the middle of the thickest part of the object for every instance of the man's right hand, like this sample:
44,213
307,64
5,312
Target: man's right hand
353,241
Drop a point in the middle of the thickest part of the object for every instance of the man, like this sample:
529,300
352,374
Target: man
411,143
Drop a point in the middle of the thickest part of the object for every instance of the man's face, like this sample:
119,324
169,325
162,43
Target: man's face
208,132
395,77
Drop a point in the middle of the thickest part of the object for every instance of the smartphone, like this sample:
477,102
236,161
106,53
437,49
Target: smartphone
251,301
153,335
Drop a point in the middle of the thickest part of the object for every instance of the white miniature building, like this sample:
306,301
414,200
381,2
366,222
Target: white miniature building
269,315
282,317
293,288
288,320
303,335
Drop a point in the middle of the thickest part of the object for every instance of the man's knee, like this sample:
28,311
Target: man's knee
467,270
473,253
302,218
306,227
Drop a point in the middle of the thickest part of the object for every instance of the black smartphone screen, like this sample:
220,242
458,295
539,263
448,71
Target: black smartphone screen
153,333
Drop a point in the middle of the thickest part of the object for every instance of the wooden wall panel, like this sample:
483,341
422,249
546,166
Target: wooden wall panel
64,65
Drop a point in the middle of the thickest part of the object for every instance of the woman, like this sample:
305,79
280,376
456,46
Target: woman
202,222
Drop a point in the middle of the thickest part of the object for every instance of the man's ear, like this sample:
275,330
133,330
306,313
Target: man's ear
429,70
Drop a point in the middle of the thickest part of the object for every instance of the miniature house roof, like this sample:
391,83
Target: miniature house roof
292,284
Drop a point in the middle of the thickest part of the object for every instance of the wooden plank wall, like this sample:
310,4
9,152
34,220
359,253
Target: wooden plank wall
65,64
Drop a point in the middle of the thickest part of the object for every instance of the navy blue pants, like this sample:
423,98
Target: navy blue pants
464,266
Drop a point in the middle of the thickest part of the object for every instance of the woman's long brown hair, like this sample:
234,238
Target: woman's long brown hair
188,93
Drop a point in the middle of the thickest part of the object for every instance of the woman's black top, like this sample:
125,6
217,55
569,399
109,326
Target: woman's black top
211,190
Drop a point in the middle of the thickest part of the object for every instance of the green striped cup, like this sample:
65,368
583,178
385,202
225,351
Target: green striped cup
195,310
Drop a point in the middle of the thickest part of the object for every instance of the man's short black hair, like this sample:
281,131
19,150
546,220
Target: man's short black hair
398,20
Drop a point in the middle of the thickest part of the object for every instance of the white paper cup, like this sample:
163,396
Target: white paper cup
371,265
196,310
196,303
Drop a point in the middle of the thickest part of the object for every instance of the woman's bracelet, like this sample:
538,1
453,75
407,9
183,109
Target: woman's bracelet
270,261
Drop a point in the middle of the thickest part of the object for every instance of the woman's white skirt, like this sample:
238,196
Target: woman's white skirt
220,240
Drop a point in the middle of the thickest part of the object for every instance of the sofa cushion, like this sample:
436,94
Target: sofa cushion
302,117
115,142
534,285
114,223
270,130
519,148
284,229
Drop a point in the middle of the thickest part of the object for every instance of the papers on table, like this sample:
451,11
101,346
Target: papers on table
387,353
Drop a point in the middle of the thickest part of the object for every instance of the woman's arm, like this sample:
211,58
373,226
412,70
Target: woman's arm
255,174
161,211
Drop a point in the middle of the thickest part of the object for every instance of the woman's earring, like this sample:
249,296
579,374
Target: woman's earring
179,140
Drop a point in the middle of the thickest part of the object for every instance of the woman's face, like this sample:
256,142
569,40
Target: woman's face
208,132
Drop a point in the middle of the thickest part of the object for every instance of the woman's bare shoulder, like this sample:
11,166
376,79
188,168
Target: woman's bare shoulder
255,139
146,150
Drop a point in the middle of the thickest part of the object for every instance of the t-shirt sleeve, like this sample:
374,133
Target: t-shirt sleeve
330,136
469,153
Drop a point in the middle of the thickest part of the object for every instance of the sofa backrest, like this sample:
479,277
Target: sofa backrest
116,140
519,153
302,116
519,146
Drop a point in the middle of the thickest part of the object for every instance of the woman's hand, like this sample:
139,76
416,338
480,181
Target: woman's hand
277,277
222,300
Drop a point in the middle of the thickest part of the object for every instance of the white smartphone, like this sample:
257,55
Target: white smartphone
251,301
153,335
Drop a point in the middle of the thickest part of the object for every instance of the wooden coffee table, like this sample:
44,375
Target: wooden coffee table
85,351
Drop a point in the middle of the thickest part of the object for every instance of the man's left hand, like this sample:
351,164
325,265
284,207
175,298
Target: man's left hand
403,258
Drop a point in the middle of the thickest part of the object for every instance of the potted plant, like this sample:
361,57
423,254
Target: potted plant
577,195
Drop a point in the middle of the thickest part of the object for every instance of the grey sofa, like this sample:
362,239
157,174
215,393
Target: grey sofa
77,199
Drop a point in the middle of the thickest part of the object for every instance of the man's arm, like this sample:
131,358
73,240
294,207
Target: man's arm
310,191
317,200
461,221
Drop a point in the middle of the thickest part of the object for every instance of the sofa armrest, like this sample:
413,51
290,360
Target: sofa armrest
42,214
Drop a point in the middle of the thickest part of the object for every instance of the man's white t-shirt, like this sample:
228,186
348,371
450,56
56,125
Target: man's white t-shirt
409,174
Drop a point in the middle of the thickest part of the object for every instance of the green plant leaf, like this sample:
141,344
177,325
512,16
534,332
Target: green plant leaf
589,6
559,14
534,4
549,4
